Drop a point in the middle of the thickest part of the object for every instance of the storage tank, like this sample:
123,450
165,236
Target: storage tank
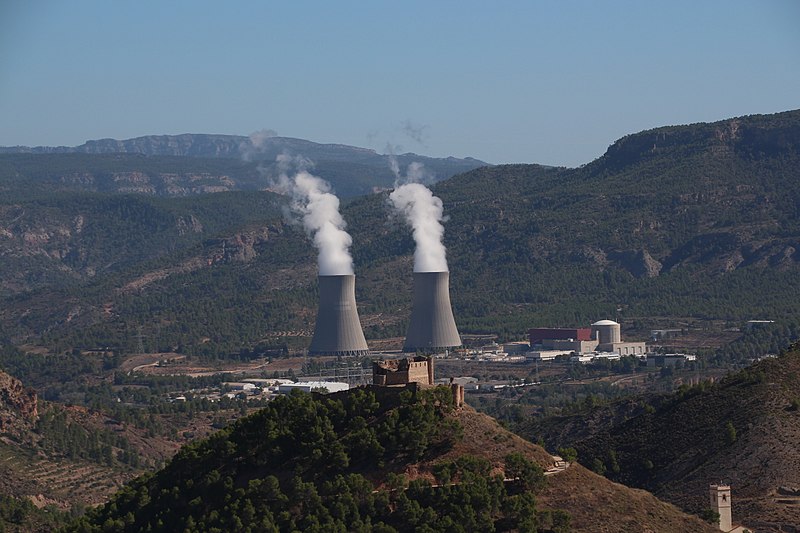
606,331
338,328
432,325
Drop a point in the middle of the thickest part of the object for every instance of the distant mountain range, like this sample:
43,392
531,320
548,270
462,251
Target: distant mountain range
177,165
672,225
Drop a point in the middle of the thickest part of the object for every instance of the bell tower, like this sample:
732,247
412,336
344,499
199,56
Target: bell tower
720,499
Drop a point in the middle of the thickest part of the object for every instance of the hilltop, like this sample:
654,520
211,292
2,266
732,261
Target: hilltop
685,223
181,165
743,430
376,459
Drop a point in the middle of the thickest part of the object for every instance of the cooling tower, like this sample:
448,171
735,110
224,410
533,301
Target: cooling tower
338,329
432,324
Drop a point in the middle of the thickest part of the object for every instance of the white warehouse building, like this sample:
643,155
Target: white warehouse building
313,386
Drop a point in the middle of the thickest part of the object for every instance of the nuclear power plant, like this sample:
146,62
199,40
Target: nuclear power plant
432,325
338,328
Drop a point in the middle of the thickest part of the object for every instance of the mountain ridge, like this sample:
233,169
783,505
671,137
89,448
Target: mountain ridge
178,165
701,234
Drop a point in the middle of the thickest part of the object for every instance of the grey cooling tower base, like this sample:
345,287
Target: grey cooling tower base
338,328
432,326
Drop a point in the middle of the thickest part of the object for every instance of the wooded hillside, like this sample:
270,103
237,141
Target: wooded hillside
681,223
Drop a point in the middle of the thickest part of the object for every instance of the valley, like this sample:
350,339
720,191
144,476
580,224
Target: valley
155,298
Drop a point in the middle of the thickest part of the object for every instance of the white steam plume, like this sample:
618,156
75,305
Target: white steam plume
424,213
319,210
255,143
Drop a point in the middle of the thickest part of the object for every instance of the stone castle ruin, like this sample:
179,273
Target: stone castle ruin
418,369
410,371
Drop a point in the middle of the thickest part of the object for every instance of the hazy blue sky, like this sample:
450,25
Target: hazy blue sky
548,82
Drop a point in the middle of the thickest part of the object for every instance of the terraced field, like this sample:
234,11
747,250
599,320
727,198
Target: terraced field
60,482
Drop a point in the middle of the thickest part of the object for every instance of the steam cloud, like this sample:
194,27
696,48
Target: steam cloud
255,143
259,138
414,131
424,213
319,211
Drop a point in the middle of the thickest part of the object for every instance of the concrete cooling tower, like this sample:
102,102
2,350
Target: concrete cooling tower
432,324
338,329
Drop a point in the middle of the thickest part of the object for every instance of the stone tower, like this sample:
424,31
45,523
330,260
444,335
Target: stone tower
720,499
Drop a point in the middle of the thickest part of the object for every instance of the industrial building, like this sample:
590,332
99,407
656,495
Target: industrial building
547,355
313,386
516,348
578,340
607,333
603,337
540,335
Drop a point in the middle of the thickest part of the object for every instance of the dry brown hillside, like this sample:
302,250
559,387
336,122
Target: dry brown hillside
744,430
602,506
595,503
65,456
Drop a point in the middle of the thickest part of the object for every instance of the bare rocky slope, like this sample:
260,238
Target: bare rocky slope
18,405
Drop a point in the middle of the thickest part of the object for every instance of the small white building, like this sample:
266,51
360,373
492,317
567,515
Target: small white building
516,347
545,355
605,356
268,382
669,359
314,386
237,385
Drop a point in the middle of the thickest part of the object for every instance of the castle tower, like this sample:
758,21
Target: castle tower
338,328
432,324
720,499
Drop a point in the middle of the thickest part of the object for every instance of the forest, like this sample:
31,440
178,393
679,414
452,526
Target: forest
317,463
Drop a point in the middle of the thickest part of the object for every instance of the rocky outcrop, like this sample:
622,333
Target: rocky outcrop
240,247
638,262
18,406
188,224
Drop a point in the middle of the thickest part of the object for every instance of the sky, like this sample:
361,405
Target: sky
549,82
